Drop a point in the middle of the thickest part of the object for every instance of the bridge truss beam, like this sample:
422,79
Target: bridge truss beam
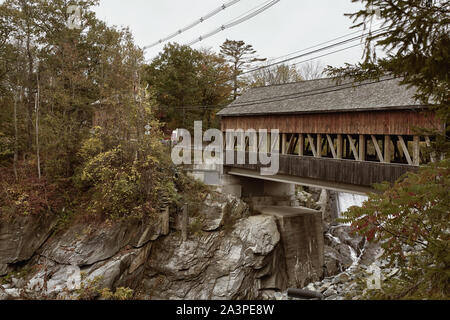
410,150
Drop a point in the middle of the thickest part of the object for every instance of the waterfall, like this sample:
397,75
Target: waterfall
347,200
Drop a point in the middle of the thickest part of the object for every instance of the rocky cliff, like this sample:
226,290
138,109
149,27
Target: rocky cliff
227,255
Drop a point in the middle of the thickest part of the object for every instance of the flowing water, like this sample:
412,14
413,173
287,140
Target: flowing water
347,200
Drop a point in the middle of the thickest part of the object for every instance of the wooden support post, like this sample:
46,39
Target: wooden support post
319,146
377,148
264,143
292,144
311,143
331,144
260,144
353,147
276,144
227,142
387,149
416,150
301,144
184,223
432,155
398,151
339,146
405,150
283,143
254,143
362,147
346,147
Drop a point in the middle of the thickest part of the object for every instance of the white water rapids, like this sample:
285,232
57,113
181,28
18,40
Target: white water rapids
347,200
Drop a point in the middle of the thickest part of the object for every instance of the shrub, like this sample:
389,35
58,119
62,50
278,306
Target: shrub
121,293
411,221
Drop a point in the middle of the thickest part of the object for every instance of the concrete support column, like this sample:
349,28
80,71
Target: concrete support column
362,147
339,146
323,201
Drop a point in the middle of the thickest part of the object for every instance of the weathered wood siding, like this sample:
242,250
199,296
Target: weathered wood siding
360,173
395,122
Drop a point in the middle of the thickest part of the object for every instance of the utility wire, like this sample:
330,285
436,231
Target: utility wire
316,51
195,23
252,102
251,10
320,44
296,95
234,22
304,93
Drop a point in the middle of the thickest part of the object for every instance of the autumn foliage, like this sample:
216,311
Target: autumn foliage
410,220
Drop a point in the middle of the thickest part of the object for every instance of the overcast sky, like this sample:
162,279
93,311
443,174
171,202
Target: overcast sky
288,26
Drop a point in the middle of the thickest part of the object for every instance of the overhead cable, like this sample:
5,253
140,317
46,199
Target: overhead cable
315,51
195,23
318,45
234,22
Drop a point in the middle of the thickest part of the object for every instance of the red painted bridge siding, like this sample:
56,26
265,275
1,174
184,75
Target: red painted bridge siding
395,122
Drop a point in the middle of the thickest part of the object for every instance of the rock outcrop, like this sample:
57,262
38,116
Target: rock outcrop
236,265
231,256
227,253
21,236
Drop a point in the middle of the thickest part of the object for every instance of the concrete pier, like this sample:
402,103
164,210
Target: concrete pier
302,239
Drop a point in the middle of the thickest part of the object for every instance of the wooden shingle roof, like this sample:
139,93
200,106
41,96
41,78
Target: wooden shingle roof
323,96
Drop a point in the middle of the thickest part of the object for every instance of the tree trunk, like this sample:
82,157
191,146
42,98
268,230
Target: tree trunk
16,139
29,99
37,130
235,79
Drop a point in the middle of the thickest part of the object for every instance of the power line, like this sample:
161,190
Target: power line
195,23
251,10
315,51
326,54
234,22
296,95
320,44
280,96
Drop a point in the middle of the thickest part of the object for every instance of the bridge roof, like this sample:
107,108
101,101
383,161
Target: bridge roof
323,96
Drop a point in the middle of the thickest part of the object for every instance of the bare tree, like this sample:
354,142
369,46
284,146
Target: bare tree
311,70
275,75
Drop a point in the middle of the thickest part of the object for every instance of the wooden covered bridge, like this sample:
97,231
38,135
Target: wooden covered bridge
345,136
